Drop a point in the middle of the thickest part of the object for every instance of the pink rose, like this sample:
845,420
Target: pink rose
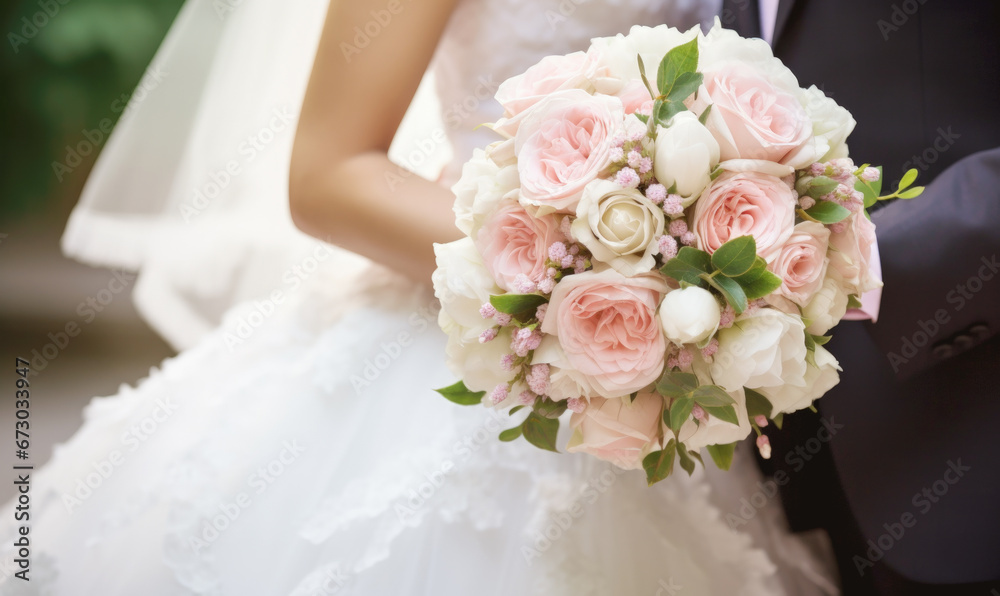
551,74
617,431
745,204
750,117
513,242
635,97
607,328
852,252
563,143
801,263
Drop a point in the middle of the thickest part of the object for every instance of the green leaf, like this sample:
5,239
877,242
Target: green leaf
758,284
716,173
541,432
912,193
779,419
732,291
724,413
551,409
712,396
686,84
667,110
704,115
821,340
510,434
688,266
642,117
821,186
853,301
810,343
659,464
722,455
757,403
870,190
828,212
632,396
677,384
686,462
679,60
642,74
908,178
461,395
680,411
736,256
514,410
515,304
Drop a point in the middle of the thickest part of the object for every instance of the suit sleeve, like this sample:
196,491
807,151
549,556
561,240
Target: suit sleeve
940,257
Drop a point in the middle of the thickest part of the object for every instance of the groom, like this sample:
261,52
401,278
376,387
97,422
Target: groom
901,465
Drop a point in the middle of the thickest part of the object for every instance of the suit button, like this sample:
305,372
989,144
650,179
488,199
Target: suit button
963,342
942,351
980,330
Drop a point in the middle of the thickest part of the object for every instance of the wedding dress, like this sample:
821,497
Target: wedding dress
298,448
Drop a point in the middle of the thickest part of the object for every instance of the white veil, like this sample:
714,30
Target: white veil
191,189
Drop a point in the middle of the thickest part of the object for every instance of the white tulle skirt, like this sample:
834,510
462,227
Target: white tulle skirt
300,449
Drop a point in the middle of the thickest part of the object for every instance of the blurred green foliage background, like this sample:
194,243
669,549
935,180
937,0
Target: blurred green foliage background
63,65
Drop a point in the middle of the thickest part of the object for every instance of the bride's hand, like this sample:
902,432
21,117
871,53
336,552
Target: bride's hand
338,187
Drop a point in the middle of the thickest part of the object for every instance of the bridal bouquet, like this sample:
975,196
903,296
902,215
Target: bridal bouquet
660,243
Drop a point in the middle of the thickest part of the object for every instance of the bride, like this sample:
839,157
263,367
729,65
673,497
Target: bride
297,447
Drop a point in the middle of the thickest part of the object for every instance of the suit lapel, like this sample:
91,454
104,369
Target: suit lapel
745,16
784,11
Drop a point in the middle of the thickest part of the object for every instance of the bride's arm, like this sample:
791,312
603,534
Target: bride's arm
338,186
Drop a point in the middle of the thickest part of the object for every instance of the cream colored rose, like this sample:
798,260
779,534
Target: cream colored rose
686,153
831,125
819,379
765,349
617,430
828,304
619,226
462,284
480,190
689,315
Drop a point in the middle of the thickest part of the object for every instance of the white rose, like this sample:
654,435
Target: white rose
480,189
478,364
652,43
690,315
828,304
818,380
831,125
722,47
765,349
462,284
686,153
714,431
619,226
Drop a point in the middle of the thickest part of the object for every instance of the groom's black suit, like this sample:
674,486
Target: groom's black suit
909,458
